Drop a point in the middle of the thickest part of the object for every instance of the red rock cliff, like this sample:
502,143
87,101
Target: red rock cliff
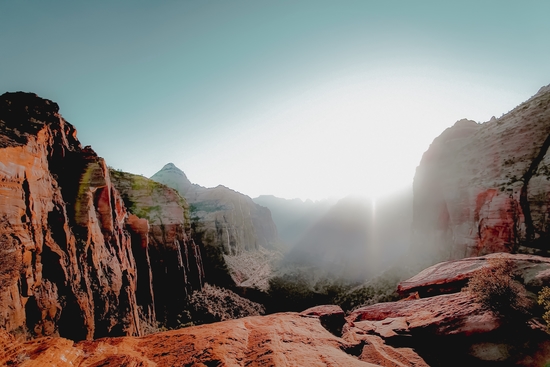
171,260
68,267
484,188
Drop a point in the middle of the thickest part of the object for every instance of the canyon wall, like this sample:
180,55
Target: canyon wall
484,188
175,260
70,268
235,231
77,258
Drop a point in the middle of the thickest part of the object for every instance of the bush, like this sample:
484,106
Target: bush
297,292
376,291
544,301
496,289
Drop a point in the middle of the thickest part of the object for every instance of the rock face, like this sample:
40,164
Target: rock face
483,188
437,330
451,276
229,223
443,323
276,340
168,258
68,265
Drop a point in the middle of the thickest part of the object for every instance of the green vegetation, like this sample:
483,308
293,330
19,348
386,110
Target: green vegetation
208,206
296,292
544,301
496,289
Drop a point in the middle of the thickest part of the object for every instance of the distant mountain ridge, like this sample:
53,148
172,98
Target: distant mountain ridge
294,217
356,239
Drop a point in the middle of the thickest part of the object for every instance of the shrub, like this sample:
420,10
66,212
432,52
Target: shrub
378,290
496,289
544,301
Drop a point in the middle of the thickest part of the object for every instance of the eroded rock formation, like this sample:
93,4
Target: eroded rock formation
435,329
230,225
443,323
277,340
168,258
71,270
483,188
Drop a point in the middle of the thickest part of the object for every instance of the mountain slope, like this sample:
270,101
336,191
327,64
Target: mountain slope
293,217
229,223
483,188
174,260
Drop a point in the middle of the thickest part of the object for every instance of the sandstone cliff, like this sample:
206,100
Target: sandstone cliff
232,225
483,188
70,269
167,257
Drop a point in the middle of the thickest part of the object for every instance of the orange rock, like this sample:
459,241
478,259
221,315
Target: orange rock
449,314
169,261
276,340
73,273
451,276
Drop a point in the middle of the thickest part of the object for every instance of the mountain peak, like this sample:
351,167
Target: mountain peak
172,176
170,166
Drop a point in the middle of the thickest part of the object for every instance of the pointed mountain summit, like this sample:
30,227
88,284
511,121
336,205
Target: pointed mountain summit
173,177
230,226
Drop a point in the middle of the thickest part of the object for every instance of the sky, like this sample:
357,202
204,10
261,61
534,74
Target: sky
297,99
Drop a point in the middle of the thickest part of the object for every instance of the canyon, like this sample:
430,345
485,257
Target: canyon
92,258
235,232
446,326
77,261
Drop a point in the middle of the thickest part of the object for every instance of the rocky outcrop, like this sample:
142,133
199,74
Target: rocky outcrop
276,340
443,323
483,188
452,276
437,330
70,269
168,258
229,224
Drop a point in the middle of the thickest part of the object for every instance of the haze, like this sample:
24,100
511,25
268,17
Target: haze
308,99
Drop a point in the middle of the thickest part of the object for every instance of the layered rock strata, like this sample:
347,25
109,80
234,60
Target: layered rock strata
443,323
167,256
483,188
69,268
230,226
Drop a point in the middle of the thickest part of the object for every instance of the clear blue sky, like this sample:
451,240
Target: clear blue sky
291,98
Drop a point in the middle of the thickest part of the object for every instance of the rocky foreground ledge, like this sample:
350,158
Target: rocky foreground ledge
440,324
